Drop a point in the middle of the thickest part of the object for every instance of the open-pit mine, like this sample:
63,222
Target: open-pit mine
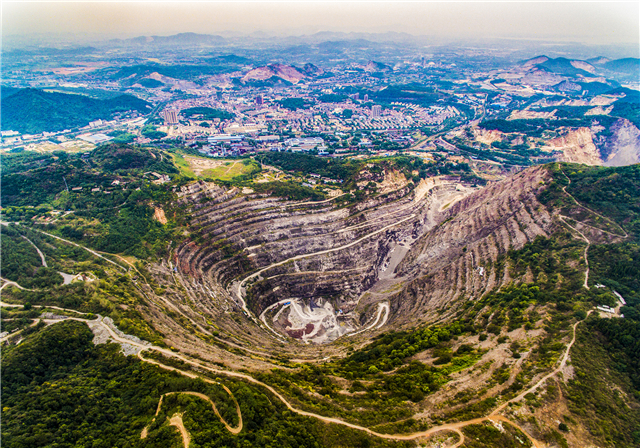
267,272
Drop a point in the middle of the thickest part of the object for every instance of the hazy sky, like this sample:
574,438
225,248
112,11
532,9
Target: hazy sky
593,22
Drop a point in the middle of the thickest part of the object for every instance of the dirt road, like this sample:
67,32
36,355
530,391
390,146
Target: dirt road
455,427
381,307
563,362
44,262
176,420
80,246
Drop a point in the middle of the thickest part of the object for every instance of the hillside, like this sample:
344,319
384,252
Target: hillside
629,66
568,67
425,309
137,73
281,71
31,111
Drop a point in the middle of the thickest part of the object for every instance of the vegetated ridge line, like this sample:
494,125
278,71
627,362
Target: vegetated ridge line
230,428
564,189
563,362
586,251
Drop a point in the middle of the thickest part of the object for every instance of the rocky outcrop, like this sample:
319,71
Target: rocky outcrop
234,234
455,259
447,240
281,71
576,146
622,146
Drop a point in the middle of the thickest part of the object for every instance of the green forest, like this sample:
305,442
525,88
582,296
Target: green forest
206,113
31,111
59,389
118,218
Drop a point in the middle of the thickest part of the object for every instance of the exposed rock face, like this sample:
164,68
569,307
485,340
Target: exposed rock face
374,66
530,114
306,252
487,136
454,259
535,61
311,70
438,241
159,215
282,71
598,110
622,147
314,272
235,234
576,146
584,66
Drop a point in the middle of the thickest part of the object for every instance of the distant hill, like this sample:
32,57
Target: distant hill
629,66
534,61
597,88
6,91
150,83
285,72
206,113
176,39
123,158
185,72
598,60
311,70
374,66
31,111
561,66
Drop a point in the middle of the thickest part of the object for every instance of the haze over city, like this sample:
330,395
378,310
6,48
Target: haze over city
593,22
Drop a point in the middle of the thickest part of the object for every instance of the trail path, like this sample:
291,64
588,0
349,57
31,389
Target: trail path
564,189
586,250
13,305
80,246
9,282
381,307
178,421
44,262
563,362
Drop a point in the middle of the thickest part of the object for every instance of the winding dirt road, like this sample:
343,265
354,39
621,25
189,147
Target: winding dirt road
44,261
383,306
80,246
563,362
455,427
176,420
586,250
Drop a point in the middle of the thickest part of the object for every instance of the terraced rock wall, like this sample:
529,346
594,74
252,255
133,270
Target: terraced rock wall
234,235
455,259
